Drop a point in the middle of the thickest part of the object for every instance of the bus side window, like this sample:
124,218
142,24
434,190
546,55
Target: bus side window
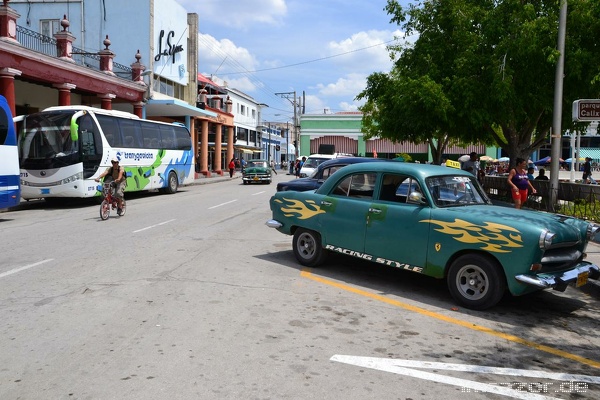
168,136
183,141
151,134
111,130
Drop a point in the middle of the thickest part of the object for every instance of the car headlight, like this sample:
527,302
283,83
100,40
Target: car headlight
591,231
546,239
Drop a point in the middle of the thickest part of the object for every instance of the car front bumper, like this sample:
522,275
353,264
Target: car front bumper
579,275
256,178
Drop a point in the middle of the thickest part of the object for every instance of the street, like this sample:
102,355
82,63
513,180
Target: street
191,296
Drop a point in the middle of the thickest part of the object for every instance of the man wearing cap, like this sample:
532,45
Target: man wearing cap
117,175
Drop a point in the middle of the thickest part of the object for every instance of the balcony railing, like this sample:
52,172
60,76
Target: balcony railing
47,45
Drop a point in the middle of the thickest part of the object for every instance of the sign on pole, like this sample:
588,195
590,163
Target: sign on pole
586,110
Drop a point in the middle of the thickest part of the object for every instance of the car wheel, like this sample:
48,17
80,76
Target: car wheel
476,282
307,248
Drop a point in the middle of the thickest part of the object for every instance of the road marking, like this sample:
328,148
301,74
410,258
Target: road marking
371,362
259,193
153,226
14,271
222,204
390,365
466,324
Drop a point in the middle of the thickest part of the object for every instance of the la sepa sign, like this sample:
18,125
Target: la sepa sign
586,110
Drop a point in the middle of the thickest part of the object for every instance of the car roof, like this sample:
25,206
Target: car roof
349,160
420,171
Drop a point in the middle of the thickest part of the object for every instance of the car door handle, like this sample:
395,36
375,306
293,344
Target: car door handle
375,210
325,203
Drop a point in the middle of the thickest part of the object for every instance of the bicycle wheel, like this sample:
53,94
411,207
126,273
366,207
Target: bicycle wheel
104,210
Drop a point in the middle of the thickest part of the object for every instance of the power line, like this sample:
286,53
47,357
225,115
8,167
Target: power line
315,60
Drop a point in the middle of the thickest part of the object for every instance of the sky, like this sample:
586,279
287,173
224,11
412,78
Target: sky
322,48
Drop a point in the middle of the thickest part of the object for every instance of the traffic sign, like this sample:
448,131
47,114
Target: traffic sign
586,110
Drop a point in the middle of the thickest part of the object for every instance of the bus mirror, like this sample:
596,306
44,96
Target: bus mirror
75,125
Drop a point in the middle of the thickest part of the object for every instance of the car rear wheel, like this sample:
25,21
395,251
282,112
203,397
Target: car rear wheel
307,248
476,282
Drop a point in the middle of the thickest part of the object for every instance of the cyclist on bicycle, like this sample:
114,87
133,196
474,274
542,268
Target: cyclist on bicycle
116,174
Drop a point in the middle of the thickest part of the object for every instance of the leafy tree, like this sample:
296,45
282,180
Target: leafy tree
482,71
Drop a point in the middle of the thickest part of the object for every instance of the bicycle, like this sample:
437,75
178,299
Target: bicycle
110,201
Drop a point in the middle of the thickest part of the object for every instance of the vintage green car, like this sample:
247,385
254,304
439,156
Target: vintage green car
437,221
257,171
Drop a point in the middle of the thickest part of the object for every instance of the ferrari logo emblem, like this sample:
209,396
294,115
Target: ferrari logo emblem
438,246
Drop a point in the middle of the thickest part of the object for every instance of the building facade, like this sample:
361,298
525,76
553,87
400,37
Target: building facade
343,130
148,67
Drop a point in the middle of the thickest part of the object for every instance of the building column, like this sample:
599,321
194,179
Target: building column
64,93
204,149
229,143
64,41
106,58
8,23
7,86
218,147
107,100
138,108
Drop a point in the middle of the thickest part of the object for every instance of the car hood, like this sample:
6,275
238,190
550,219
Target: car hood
567,229
300,184
256,170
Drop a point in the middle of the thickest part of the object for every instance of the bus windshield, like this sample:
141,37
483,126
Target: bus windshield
46,136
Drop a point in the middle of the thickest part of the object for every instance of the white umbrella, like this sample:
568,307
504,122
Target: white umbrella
485,158
464,158
504,159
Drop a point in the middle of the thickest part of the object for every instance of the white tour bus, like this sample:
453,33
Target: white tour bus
63,149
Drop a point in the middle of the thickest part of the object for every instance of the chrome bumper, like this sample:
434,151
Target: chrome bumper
561,282
273,224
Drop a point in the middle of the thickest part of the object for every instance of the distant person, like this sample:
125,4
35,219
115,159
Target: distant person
472,164
243,163
530,172
231,167
519,183
272,165
587,171
541,175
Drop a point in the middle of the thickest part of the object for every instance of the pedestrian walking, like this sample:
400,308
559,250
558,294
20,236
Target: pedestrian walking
231,167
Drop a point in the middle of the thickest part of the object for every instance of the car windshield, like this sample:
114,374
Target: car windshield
449,191
256,164
313,162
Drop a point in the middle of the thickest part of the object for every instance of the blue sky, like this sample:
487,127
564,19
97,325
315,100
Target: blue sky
325,48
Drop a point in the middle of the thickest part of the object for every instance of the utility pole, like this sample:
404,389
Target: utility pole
269,145
287,95
556,133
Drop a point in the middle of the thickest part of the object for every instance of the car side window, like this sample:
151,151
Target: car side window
396,188
360,186
327,172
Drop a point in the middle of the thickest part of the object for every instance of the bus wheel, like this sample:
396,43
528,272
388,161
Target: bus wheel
171,183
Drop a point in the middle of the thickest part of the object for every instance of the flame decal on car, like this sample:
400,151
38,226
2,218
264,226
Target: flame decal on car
493,237
302,210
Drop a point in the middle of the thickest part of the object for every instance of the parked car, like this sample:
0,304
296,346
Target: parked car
314,160
436,221
322,172
257,171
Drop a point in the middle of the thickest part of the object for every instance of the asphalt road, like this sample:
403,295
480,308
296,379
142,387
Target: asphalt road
191,296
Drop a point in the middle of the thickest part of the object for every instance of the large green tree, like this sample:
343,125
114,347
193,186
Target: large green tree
482,71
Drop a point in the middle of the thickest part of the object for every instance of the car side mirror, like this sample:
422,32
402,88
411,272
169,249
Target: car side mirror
417,198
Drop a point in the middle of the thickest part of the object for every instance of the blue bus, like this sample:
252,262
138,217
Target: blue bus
10,191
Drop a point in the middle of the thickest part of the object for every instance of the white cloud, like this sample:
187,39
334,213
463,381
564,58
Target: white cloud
350,85
223,55
239,14
365,50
